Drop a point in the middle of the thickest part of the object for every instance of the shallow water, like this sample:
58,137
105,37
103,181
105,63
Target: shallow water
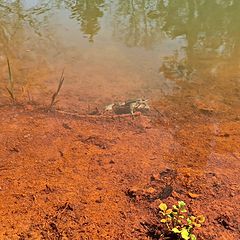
71,178
113,50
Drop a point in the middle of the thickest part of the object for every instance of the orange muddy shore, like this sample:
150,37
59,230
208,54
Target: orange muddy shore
65,177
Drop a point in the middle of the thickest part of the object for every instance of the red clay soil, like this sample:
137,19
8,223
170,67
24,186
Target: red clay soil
65,177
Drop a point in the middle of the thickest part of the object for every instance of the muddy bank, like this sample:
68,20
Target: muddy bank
69,178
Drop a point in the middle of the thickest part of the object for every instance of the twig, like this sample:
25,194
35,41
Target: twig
98,116
54,96
11,82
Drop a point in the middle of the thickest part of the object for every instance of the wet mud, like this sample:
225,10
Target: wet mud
69,177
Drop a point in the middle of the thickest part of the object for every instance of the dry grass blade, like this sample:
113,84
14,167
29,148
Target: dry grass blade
54,96
10,89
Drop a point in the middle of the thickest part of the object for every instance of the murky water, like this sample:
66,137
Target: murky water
111,50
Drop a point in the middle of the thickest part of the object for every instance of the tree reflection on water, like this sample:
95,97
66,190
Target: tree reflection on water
209,29
14,17
87,13
206,25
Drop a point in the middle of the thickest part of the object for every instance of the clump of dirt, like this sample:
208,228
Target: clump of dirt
64,177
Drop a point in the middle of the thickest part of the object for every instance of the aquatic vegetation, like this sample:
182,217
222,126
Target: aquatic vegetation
54,96
10,89
178,223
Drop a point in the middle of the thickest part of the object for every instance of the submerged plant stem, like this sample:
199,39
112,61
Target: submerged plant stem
10,89
54,96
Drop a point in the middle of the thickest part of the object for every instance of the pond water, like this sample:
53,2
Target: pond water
164,50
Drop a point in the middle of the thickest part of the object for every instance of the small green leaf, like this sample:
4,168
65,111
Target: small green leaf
175,207
175,213
185,234
189,221
175,230
193,237
190,227
163,207
181,204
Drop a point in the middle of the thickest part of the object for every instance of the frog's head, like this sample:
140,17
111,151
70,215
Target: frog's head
142,104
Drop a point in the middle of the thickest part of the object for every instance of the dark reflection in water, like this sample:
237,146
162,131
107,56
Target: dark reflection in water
210,27
14,17
87,13
192,37
134,24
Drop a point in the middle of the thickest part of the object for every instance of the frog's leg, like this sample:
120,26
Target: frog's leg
131,108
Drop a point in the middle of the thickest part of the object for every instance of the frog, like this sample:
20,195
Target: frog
129,106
